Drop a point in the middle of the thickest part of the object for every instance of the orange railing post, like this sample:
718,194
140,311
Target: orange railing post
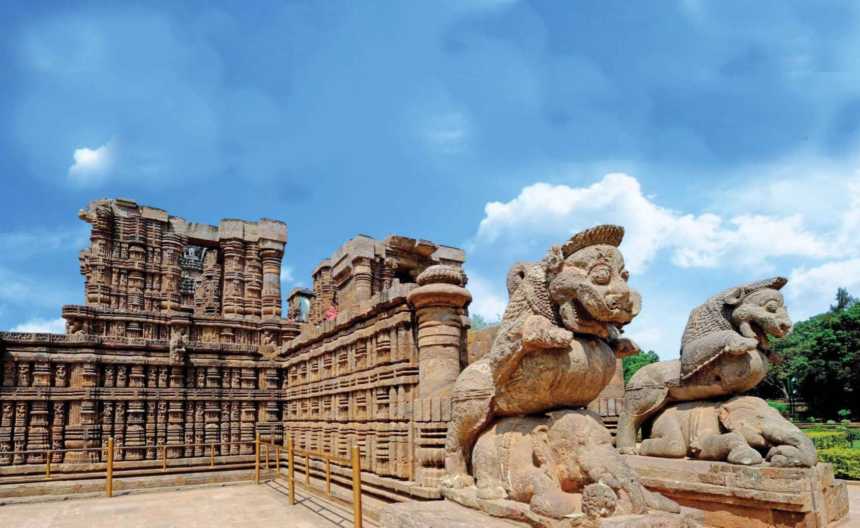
277,461
291,475
328,475
356,487
257,459
109,483
48,465
307,469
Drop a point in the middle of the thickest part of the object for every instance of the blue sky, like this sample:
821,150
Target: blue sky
724,135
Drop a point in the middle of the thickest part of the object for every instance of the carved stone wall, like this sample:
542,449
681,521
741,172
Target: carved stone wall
181,341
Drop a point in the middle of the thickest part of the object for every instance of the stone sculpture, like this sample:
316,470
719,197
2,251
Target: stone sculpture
724,352
556,349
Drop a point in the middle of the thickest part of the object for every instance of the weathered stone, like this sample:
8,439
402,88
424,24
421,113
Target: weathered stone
724,352
556,349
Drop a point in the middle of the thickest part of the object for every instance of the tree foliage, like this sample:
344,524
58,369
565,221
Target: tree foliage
635,362
821,360
843,300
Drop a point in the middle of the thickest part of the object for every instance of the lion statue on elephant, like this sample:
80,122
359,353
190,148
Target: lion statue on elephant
556,349
724,353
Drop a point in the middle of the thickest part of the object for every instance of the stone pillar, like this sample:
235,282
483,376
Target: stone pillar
271,254
439,302
253,280
273,238
176,416
234,277
248,425
362,274
171,250
83,429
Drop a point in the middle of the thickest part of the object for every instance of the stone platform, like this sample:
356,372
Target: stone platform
448,514
733,496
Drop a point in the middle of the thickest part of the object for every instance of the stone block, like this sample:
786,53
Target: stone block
733,496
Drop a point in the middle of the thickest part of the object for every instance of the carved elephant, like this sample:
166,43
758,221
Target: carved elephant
559,464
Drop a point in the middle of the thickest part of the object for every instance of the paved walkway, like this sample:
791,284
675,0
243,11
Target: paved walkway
264,506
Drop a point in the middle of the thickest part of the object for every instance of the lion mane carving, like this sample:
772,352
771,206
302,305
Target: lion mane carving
724,352
556,349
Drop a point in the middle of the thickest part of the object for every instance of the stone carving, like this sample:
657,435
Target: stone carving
559,465
724,352
535,363
556,349
734,431
268,346
178,344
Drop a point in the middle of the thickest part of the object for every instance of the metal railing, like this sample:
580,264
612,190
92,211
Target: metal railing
263,451
354,461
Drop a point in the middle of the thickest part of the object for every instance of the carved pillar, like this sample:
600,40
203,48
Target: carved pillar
249,412
7,415
171,271
234,277
272,253
213,408
83,428
175,416
253,280
98,277
362,274
439,301
20,436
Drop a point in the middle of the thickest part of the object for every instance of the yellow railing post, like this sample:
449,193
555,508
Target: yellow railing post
211,455
257,459
48,466
356,487
278,461
109,483
328,475
267,456
307,469
164,458
291,475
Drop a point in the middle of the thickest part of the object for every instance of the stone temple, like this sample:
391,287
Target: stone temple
181,350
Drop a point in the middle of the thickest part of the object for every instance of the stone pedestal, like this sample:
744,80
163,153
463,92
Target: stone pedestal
733,496
447,514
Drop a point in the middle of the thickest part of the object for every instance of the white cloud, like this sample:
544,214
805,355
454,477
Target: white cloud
811,289
703,240
733,244
286,275
50,326
486,301
92,166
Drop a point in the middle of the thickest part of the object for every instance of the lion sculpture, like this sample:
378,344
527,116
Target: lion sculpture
556,349
724,352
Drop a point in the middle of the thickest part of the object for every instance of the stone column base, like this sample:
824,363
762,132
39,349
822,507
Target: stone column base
733,496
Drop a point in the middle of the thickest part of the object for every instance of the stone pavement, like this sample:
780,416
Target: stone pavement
246,505
853,520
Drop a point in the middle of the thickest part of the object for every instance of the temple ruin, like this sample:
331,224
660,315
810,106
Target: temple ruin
181,342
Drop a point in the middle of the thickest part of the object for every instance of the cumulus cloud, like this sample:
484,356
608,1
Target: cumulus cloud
50,326
693,240
812,288
92,166
698,253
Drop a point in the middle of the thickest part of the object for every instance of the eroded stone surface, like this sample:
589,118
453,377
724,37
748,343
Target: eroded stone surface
556,348
733,496
724,352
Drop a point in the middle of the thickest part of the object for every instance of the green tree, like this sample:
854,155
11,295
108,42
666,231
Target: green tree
635,362
843,300
820,361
